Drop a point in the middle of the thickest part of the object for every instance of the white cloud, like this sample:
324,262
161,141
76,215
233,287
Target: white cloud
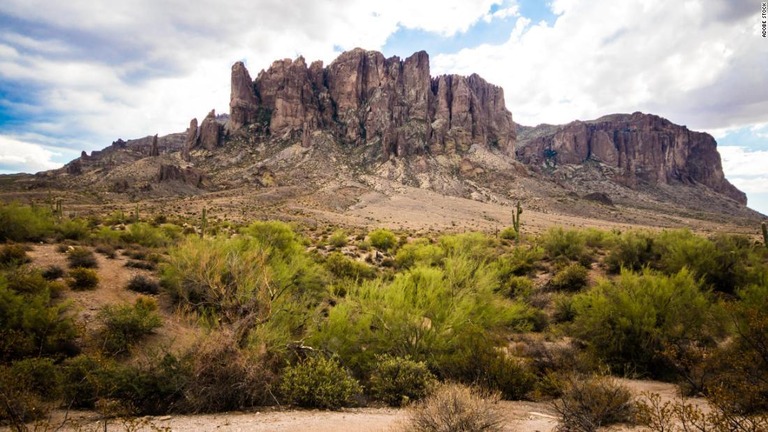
16,156
693,63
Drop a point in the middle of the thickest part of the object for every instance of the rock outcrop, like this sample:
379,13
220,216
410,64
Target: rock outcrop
187,175
210,132
645,148
366,99
190,141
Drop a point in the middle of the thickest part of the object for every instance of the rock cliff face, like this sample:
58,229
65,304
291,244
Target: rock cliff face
365,98
645,148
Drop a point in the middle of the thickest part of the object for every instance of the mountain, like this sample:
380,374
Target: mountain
367,132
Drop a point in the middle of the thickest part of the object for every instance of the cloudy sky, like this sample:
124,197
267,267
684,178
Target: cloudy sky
76,75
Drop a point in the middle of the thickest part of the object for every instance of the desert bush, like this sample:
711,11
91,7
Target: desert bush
263,280
572,277
564,310
13,254
522,261
27,389
27,280
420,252
106,250
143,265
81,257
382,239
519,287
20,223
338,239
124,325
83,279
73,229
31,324
590,403
508,233
562,244
144,285
53,272
319,382
346,268
144,234
399,381
632,250
627,322
226,377
426,313
456,408
108,237
683,416
83,380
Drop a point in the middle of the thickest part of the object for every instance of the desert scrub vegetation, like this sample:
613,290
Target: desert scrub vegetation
81,257
588,403
456,408
82,279
399,381
319,382
125,325
20,223
382,239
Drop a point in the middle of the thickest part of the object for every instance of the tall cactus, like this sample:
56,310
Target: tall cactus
516,221
765,234
203,223
136,215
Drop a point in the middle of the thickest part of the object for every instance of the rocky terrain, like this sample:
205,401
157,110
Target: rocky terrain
351,141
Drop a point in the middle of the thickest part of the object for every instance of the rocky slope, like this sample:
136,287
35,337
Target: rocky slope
646,149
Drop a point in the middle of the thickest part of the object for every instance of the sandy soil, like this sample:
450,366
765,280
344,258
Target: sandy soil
520,416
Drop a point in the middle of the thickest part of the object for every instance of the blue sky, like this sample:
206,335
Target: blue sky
77,75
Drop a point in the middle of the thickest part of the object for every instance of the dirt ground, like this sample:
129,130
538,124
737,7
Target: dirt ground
520,417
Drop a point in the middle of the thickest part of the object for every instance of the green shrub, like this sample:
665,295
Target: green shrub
319,382
522,261
125,325
632,250
519,287
346,268
144,234
83,279
420,252
144,265
144,285
13,254
508,233
382,239
560,244
20,223
81,257
627,322
83,381
73,229
456,408
398,381
571,278
31,324
338,239
564,310
590,403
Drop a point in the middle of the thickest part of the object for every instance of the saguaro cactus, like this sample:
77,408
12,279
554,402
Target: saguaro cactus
203,223
765,234
516,221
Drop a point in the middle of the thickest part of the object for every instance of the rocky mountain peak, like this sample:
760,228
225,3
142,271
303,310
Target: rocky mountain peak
367,99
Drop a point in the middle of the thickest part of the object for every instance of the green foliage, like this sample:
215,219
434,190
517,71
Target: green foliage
81,257
83,279
124,325
457,408
520,287
516,220
31,323
346,268
73,229
562,244
319,382
147,235
571,278
522,261
27,389
53,272
144,285
382,239
263,280
338,239
628,321
632,250
590,403
420,252
13,255
82,380
20,223
398,381
508,233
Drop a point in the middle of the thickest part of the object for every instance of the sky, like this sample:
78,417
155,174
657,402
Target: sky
79,74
